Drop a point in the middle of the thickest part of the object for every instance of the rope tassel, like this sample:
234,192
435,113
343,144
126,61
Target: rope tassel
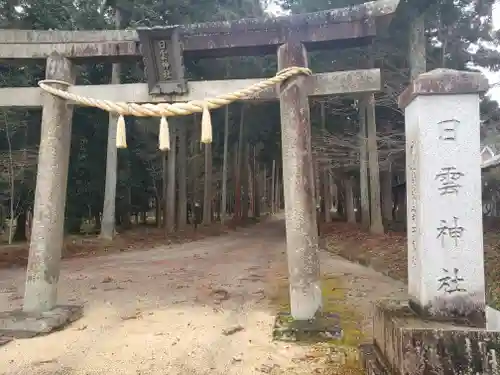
121,133
164,135
206,126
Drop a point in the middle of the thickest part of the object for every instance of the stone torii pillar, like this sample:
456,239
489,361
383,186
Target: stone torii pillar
41,314
298,181
50,195
109,207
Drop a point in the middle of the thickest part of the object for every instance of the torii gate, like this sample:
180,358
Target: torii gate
163,50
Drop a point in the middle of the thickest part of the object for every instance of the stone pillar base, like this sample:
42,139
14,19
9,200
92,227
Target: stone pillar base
325,327
405,343
459,310
21,325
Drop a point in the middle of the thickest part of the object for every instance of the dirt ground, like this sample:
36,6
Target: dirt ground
141,237
204,307
387,254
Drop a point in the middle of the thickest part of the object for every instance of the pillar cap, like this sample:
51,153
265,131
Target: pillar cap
444,82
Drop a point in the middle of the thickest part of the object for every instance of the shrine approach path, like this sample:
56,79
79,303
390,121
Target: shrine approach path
204,307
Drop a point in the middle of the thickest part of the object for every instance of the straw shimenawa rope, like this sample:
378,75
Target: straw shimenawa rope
165,110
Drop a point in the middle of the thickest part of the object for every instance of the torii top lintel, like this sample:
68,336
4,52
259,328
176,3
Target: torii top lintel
342,27
354,25
334,28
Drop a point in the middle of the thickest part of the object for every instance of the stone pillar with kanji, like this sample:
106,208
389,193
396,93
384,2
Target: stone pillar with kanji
444,209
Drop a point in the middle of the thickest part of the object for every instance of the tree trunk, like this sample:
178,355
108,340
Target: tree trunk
207,192
20,233
245,201
334,196
195,170
325,176
237,185
158,211
239,160
363,168
182,161
250,183
170,206
165,187
278,188
349,200
386,190
377,226
280,192
417,47
97,219
12,183
254,183
29,223
224,168
273,188
125,222
317,183
108,212
264,189
257,192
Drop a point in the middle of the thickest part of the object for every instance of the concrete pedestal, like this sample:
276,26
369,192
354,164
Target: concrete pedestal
441,330
22,325
324,327
445,232
405,343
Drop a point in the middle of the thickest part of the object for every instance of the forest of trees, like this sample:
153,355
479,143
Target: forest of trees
459,36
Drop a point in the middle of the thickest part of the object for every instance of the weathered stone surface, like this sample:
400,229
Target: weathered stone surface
467,310
46,240
299,189
412,345
444,211
325,327
442,82
19,324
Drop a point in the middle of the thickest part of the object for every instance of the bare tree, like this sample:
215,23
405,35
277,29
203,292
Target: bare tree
341,151
13,165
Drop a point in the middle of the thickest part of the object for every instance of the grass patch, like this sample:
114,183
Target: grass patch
338,355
